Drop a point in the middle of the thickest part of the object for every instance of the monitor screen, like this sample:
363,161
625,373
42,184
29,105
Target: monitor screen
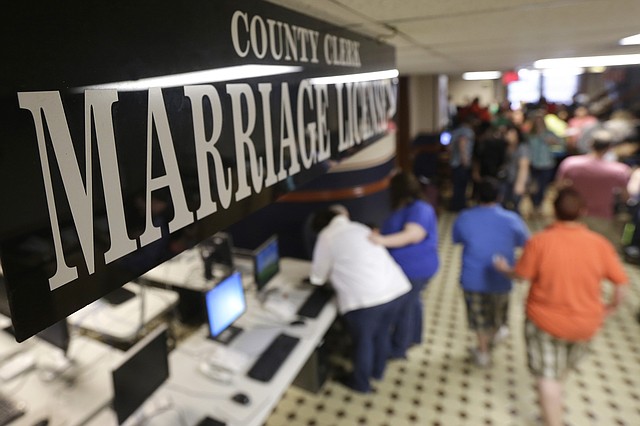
225,303
57,334
445,138
143,370
266,262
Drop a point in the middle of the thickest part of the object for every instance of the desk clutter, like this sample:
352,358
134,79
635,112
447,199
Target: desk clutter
195,341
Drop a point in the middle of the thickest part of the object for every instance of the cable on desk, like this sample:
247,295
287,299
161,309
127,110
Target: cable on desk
170,316
194,394
101,308
74,333
207,396
198,354
171,407
143,306
81,370
21,380
183,421
266,321
87,311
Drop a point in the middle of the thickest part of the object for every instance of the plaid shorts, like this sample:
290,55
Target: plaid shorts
549,356
486,311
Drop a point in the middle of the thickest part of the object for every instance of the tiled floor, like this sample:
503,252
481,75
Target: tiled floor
438,385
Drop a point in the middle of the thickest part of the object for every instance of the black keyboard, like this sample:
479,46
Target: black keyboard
9,410
312,307
118,296
269,362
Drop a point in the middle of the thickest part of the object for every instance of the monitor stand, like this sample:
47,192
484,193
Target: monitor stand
56,364
266,292
228,335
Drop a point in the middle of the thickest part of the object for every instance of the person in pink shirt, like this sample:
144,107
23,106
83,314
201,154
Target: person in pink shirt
600,182
581,121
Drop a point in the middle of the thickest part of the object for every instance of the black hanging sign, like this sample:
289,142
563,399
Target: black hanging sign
131,131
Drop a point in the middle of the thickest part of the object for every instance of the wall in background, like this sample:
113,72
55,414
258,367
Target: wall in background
462,91
423,104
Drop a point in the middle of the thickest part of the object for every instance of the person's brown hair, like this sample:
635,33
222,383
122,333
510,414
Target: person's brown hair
488,190
405,189
569,204
322,218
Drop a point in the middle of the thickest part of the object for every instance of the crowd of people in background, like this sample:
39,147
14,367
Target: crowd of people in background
583,162
524,148
591,164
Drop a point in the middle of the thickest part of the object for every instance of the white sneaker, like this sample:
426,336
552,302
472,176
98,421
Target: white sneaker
502,334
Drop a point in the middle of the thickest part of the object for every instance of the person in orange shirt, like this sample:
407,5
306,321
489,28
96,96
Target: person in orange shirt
566,264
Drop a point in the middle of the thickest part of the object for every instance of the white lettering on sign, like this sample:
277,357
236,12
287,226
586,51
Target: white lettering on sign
341,51
244,123
362,111
98,105
207,146
263,38
359,111
157,118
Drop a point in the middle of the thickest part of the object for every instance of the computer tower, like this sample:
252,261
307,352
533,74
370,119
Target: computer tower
191,306
314,373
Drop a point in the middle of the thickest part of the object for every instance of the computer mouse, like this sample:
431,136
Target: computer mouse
297,323
241,398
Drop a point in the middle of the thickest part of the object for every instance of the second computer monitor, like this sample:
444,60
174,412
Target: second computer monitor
143,370
266,262
225,304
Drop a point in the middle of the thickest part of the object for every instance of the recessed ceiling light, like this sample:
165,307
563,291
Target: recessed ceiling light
526,73
482,75
596,70
588,61
562,71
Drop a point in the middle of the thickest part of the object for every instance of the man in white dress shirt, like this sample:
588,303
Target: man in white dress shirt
369,288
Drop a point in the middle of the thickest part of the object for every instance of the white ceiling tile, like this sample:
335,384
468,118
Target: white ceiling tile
459,35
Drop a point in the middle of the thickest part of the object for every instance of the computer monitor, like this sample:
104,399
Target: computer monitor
217,256
58,335
225,304
445,138
266,262
144,368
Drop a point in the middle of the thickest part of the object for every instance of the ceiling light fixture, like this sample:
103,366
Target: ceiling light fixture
596,70
528,73
588,61
628,41
482,75
547,72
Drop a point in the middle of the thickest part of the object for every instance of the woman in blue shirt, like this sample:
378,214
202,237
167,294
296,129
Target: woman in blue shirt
411,235
543,161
